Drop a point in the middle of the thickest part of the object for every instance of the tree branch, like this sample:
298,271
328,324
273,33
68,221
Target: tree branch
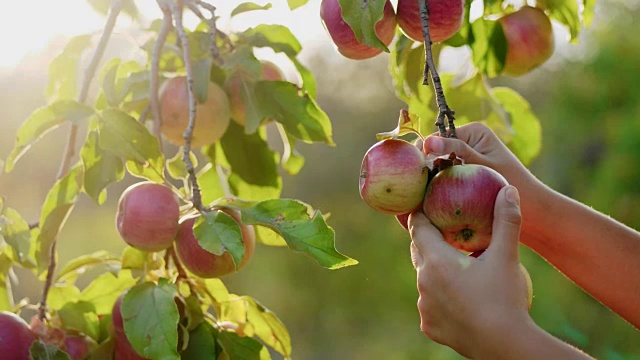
154,70
215,52
69,153
441,101
176,11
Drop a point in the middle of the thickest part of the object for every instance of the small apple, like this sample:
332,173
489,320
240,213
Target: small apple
212,116
344,38
78,347
530,42
205,264
393,177
445,19
460,202
15,337
235,81
148,215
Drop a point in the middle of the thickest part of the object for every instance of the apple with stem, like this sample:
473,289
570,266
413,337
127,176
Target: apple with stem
445,19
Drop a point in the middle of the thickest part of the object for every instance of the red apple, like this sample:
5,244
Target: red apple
78,347
15,337
393,177
123,348
460,203
212,116
529,38
344,38
205,264
235,81
445,18
148,215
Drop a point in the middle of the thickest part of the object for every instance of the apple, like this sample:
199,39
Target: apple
15,337
78,347
445,19
212,116
205,264
393,177
148,215
123,348
235,81
530,42
344,38
460,202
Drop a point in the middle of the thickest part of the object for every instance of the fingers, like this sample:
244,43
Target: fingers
437,145
416,258
427,238
507,220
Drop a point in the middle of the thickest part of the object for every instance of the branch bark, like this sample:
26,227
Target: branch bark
154,70
430,67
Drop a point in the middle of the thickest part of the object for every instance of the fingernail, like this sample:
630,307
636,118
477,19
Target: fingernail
512,196
436,145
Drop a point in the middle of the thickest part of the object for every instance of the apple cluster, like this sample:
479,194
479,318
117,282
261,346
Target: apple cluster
528,31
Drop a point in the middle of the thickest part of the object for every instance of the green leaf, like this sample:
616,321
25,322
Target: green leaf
202,344
210,185
362,17
150,319
176,167
489,46
406,67
103,291
303,228
81,264
43,120
125,137
57,207
63,70
300,115
249,6
217,232
16,233
588,12
277,37
269,237
526,141
80,316
292,160
101,168
407,123
118,78
6,296
61,294
239,348
41,351
103,6
263,168
294,4
215,288
566,12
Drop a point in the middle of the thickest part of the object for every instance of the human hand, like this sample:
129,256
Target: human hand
469,304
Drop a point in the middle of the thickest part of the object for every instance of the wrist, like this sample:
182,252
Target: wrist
511,340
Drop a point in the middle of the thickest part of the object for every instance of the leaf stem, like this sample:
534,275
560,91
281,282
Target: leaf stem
441,101
69,153
154,103
176,11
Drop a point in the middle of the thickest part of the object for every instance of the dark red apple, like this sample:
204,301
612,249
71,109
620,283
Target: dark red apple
148,215
344,38
123,348
15,337
460,203
530,42
445,18
393,177
205,264
78,347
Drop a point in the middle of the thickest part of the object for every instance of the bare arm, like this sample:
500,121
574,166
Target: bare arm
595,251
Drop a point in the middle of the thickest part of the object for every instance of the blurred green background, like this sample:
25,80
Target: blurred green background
588,101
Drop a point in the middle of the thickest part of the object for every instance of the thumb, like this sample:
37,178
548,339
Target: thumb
507,220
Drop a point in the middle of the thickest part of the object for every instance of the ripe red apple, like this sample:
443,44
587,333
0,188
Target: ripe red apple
212,116
78,347
205,264
529,40
460,203
393,177
234,83
148,215
445,18
344,38
123,348
15,337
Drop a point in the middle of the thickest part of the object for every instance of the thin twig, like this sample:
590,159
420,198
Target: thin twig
176,11
69,153
155,69
215,52
182,274
430,66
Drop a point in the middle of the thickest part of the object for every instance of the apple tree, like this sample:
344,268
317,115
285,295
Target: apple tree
199,213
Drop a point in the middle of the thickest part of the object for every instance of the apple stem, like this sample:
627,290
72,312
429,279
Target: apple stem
70,151
430,66
154,103
196,196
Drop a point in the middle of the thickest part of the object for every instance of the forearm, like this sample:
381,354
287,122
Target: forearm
598,253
